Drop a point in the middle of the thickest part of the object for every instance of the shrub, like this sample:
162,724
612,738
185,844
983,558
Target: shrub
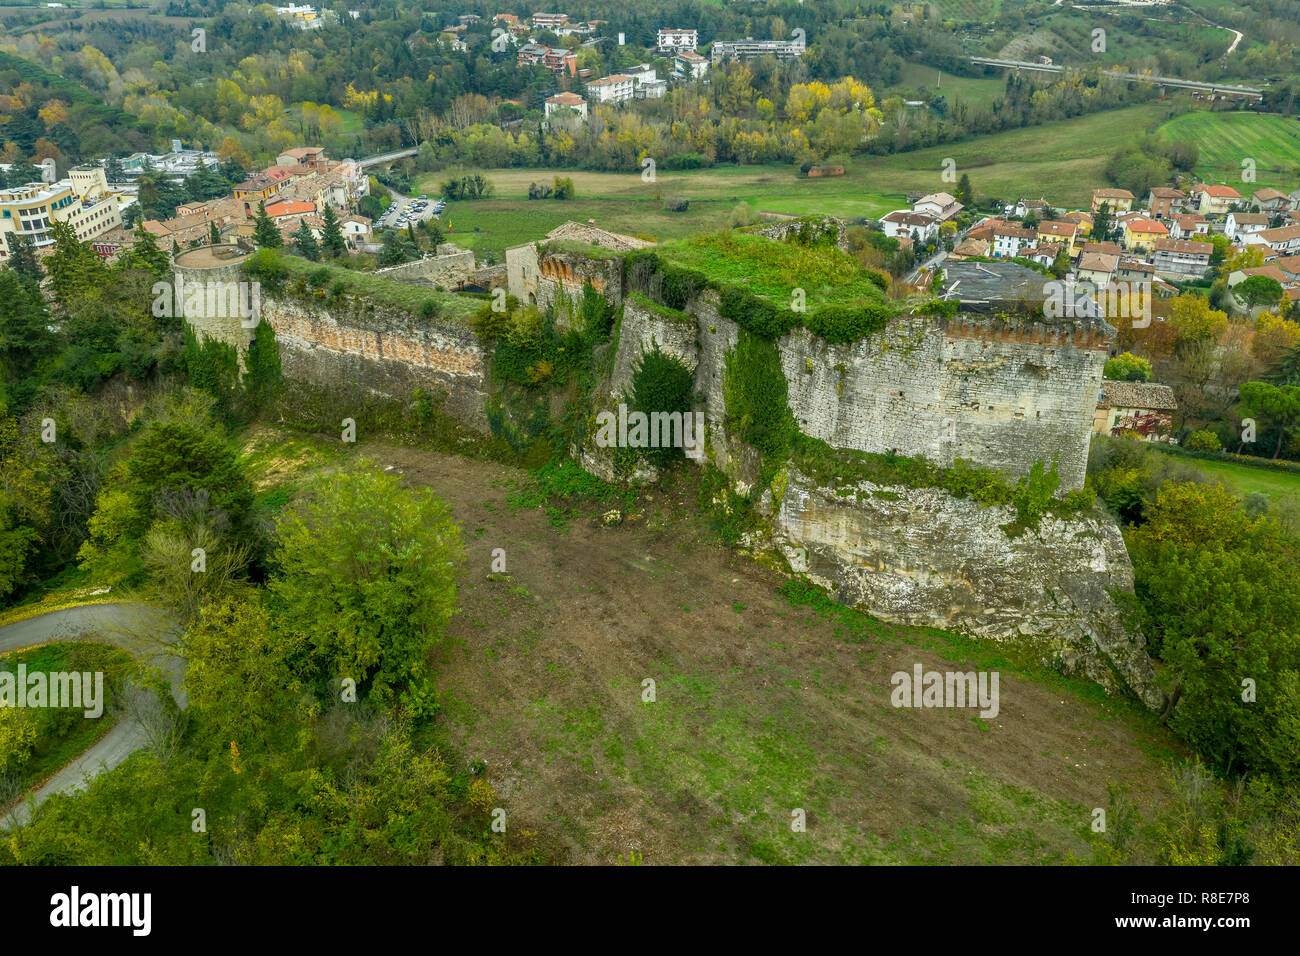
755,392
660,383
676,203
755,314
842,323
1034,492
1203,440
1128,367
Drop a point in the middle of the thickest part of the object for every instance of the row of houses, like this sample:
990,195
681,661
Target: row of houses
297,189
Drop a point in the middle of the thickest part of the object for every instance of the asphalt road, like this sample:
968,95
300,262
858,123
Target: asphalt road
138,629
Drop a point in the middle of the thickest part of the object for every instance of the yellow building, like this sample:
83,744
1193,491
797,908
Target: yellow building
82,201
1059,232
1141,233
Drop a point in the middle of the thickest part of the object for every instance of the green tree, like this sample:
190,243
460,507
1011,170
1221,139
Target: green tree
1127,367
265,234
305,240
1272,407
332,242
1258,290
23,261
1219,601
963,194
366,568
25,336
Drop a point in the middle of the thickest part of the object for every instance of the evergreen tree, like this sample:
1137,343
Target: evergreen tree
73,266
1101,223
23,261
145,254
963,190
331,240
214,234
25,336
305,240
264,232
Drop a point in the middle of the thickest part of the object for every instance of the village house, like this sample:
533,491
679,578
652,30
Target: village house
675,41
1162,201
1058,231
1119,200
1181,258
1239,276
1082,221
615,88
1008,238
1186,225
1240,224
940,206
565,101
1097,268
915,225
1270,201
1144,409
971,249
1141,233
1212,200
558,61
1284,240
1105,249
1134,270
690,65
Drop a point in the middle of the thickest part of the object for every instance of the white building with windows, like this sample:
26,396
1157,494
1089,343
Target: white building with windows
671,41
615,88
82,201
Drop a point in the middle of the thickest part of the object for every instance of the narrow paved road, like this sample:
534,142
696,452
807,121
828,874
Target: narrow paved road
138,629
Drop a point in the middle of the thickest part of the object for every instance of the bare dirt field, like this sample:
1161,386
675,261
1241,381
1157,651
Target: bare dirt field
763,705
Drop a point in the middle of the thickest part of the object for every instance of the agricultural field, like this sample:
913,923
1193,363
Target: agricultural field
622,202
977,91
1225,139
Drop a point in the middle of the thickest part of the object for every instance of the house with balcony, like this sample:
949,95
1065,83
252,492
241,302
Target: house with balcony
1181,259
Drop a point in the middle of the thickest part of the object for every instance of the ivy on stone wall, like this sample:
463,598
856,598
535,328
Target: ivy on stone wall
754,390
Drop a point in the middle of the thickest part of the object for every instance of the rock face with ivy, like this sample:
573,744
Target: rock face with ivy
924,556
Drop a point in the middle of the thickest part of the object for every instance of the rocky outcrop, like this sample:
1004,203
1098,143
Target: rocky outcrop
922,556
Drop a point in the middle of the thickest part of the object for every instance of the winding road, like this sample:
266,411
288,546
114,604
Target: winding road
139,629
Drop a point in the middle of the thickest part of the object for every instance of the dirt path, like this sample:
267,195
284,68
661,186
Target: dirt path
137,629
761,707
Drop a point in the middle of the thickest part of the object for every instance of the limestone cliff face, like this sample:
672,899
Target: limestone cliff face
922,556
386,351
1001,397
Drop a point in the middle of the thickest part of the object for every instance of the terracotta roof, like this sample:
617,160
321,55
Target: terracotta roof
1137,395
1111,194
1105,248
1219,192
1055,228
1146,225
1249,218
1267,194
1097,262
277,209
1186,246
1280,234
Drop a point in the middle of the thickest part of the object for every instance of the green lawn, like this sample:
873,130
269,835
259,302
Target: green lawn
1225,139
1243,479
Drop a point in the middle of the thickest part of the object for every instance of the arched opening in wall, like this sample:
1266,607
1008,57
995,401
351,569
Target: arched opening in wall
532,298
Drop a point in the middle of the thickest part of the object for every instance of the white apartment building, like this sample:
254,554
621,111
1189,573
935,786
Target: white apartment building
690,66
671,41
32,210
616,88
